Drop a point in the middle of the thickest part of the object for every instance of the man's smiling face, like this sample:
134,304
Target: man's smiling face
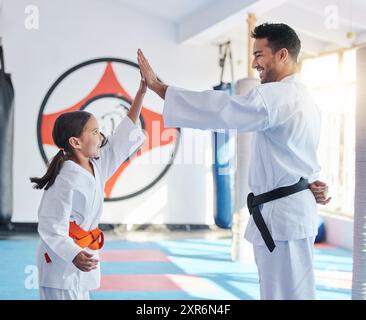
264,61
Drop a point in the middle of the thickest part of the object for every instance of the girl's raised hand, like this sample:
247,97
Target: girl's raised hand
143,85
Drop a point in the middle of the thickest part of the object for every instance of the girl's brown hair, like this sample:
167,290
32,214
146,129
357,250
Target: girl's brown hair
67,125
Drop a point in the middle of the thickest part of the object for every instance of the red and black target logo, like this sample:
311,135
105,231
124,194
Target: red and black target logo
105,87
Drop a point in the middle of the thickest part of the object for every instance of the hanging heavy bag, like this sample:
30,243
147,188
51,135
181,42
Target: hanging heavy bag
223,171
6,142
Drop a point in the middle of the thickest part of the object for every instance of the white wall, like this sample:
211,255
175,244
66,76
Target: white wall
71,32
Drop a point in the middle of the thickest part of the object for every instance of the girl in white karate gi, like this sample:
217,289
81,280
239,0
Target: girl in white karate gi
71,206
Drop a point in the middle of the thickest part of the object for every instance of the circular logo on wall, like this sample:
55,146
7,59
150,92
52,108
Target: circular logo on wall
105,87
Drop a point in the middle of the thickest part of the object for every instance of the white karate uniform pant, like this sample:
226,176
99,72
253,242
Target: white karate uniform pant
287,272
61,294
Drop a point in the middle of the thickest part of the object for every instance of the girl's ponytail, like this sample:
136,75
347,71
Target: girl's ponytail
69,124
53,170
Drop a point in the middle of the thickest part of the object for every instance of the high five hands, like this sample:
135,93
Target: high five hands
149,76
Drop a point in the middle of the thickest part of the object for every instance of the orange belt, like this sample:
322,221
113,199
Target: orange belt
93,239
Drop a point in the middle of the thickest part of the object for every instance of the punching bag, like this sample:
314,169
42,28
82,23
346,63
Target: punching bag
224,154
223,172
6,142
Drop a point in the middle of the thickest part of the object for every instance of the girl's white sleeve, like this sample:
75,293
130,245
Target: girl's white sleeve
126,139
54,218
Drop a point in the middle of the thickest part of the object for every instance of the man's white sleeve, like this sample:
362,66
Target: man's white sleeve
215,110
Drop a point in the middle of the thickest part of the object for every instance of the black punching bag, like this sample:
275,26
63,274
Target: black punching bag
6,142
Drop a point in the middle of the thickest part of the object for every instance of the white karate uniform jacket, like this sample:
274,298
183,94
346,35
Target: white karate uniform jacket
286,122
77,196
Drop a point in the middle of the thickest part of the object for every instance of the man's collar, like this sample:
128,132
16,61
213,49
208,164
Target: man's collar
295,77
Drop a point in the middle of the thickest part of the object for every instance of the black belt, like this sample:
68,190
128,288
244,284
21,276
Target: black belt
254,202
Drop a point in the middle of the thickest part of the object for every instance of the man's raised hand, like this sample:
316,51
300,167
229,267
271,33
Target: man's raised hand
148,74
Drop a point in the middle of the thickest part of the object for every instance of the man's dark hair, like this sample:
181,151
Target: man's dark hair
279,35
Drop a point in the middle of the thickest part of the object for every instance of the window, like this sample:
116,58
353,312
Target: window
332,82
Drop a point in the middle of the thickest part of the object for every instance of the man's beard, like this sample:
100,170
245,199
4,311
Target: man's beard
271,76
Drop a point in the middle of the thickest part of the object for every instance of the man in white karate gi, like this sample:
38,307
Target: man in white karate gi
286,122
